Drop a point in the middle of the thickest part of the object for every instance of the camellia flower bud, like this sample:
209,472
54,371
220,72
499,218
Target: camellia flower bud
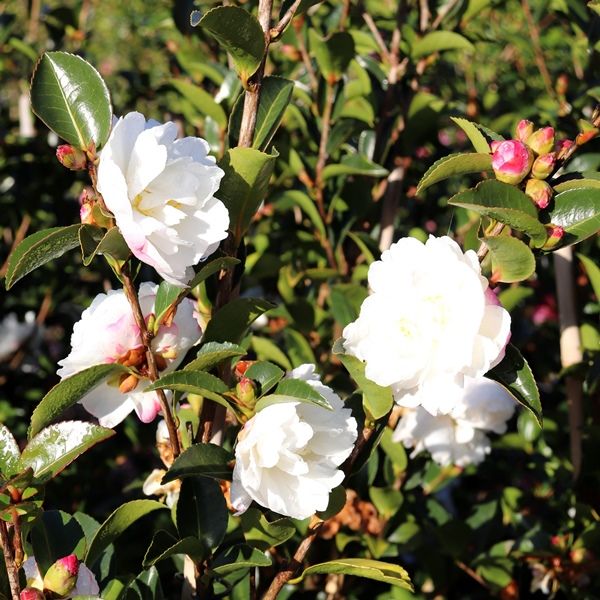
62,575
31,593
543,165
245,391
562,148
542,140
511,161
70,157
539,191
555,234
85,213
524,130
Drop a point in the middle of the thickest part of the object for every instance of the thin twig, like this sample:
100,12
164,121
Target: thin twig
19,237
483,248
385,53
9,560
444,10
146,336
284,21
424,15
312,77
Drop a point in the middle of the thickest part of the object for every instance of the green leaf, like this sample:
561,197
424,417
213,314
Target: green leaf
194,382
263,535
240,556
94,241
333,55
394,450
202,512
266,349
577,211
361,567
377,400
438,41
202,101
9,453
506,204
166,296
69,95
212,267
165,545
232,320
266,374
337,501
593,273
68,392
146,586
275,95
575,184
345,300
212,353
38,249
387,500
455,164
512,260
298,389
287,199
354,164
514,374
207,460
240,34
57,446
474,134
245,184
124,516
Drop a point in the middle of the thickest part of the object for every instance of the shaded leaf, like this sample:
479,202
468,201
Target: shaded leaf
438,41
333,55
289,198
194,382
239,556
455,164
202,101
264,535
164,545
275,95
69,95
207,460
593,273
354,164
212,353
512,260
38,249
266,374
94,240
212,267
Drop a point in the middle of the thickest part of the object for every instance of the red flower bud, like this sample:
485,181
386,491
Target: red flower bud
543,166
511,161
61,577
31,593
542,140
71,157
539,191
555,234
562,148
524,130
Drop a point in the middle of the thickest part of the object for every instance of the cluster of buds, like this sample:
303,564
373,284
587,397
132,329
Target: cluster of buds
59,581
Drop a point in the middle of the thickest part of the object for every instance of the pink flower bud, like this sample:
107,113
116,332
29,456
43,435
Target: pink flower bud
555,234
85,213
511,161
542,140
543,165
71,157
494,144
31,593
61,577
246,392
539,191
562,148
524,130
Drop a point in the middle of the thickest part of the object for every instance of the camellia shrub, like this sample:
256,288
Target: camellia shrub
302,290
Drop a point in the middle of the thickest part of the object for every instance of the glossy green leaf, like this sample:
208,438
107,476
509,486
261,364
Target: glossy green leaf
455,164
266,374
354,164
58,445
38,249
377,400
69,95
361,567
94,241
212,267
575,184
514,374
240,556
68,392
438,41
267,350
387,500
201,100
231,322
506,204
333,55
275,95
480,144
206,460
119,520
293,390
164,545
238,32
166,295
593,273
245,184
193,382
9,453
337,501
146,586
512,260
262,534
213,353
394,450
202,512
577,211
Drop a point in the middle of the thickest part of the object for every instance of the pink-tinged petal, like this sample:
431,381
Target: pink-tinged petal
108,405
147,406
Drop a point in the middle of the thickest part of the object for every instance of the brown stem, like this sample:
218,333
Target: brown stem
9,560
312,77
19,237
322,156
483,249
284,21
424,14
385,53
147,336
17,539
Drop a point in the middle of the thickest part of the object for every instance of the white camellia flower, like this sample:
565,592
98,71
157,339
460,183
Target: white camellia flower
161,191
459,437
107,333
288,454
429,322
169,491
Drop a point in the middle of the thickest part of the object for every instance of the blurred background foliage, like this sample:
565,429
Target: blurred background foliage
518,522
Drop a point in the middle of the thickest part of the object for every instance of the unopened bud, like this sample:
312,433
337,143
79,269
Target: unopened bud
61,577
524,130
585,136
539,191
543,165
127,383
555,234
242,366
85,213
542,140
245,392
511,161
71,157
31,593
562,148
